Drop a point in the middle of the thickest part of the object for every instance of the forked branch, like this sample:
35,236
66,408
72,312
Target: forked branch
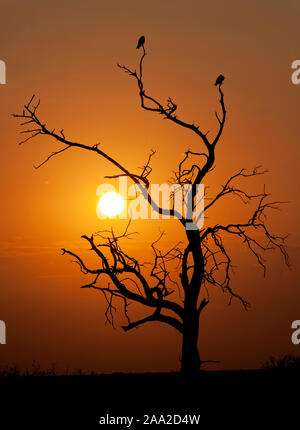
134,287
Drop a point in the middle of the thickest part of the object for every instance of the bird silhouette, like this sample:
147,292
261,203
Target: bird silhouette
140,42
219,80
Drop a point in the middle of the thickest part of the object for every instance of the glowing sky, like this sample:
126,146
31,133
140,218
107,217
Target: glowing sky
66,53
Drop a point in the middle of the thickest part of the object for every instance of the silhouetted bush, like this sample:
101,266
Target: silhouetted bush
287,361
35,370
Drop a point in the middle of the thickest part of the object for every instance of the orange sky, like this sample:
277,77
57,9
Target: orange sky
66,53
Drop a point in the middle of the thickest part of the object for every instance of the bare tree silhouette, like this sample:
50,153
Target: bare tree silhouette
204,260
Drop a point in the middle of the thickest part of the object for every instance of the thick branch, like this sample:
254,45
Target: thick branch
156,317
152,296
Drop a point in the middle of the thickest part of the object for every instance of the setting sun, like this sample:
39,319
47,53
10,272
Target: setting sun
111,204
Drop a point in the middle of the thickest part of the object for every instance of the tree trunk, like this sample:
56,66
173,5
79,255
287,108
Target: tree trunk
190,359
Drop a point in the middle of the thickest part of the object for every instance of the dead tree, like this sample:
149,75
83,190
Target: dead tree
204,260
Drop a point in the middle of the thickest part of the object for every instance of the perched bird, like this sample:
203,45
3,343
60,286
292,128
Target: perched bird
219,80
140,42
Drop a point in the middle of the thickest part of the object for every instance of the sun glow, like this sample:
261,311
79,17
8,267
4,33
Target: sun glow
111,204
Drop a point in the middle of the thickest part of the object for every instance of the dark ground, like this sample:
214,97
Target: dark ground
231,399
